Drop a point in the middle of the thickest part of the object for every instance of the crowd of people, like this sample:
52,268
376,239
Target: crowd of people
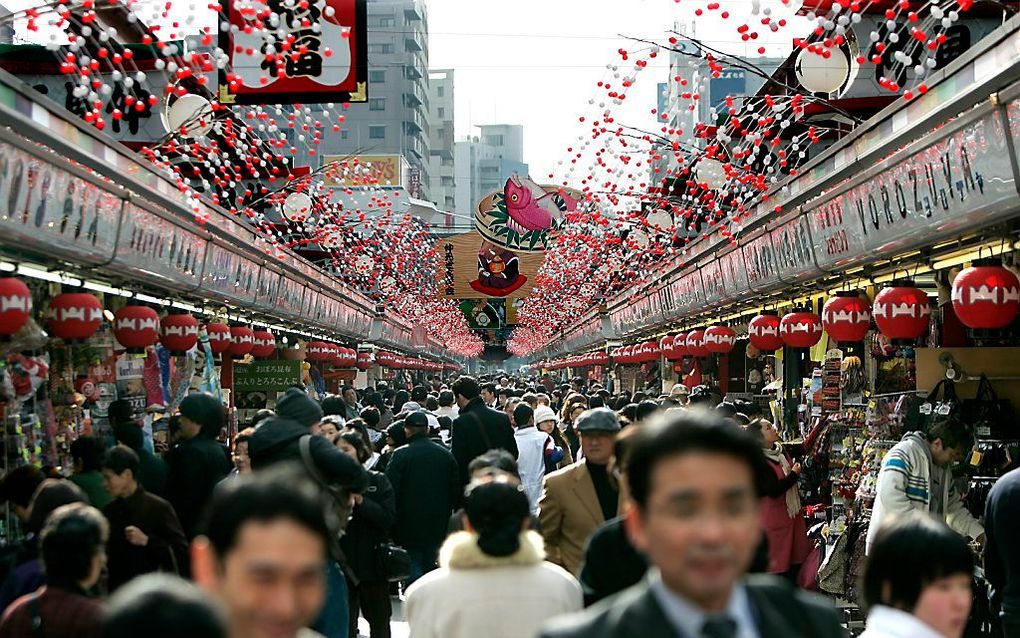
504,507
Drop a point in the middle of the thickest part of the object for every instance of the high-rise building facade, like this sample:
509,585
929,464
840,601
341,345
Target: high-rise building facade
486,161
395,120
442,172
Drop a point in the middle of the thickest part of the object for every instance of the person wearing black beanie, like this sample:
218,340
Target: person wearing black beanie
297,406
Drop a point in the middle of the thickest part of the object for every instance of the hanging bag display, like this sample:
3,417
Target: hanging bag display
992,417
940,402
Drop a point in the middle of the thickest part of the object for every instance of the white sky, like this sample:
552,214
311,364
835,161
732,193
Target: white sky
537,62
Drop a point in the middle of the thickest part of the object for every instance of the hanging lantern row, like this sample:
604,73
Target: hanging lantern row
331,354
577,361
400,362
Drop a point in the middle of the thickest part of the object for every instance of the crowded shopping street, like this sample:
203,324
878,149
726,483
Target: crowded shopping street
561,319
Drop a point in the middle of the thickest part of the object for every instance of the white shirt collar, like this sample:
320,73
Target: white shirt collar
889,622
687,618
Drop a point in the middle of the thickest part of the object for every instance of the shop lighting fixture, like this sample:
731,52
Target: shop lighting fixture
149,299
991,249
56,277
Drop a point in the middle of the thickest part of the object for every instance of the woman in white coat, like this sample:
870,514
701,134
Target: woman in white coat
493,580
917,581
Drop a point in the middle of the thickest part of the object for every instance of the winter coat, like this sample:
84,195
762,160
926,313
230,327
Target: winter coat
474,594
63,612
194,467
905,485
370,527
887,622
570,513
1002,555
427,489
477,430
788,540
531,445
611,563
167,549
151,472
278,441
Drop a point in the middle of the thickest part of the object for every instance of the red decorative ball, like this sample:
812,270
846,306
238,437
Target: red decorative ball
902,311
763,332
846,317
242,341
264,345
650,351
317,351
696,343
15,305
666,347
680,346
136,327
625,354
364,360
75,315
800,329
219,337
720,339
178,332
986,295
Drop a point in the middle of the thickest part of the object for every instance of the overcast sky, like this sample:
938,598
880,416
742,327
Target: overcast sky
537,62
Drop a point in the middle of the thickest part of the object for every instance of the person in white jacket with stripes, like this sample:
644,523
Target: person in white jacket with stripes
531,446
916,475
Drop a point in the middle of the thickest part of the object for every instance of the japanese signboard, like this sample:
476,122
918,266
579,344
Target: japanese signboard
268,375
305,51
470,266
366,170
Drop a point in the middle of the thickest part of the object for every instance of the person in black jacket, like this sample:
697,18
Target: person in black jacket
369,527
478,428
126,430
1002,550
427,486
198,462
694,480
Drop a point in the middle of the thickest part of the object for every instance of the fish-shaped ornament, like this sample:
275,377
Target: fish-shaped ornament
530,207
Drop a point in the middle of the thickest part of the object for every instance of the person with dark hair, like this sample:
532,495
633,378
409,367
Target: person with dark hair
399,399
568,417
241,458
17,488
163,606
145,533
596,401
917,580
198,462
371,521
493,580
351,406
726,409
487,391
334,405
87,452
917,475
71,545
152,469
582,496
263,551
446,405
1002,552
701,396
532,444
375,400
693,479
781,517
426,485
295,405
27,575
260,416
645,410
478,428
558,454
628,414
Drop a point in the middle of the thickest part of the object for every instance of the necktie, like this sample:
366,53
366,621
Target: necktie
719,627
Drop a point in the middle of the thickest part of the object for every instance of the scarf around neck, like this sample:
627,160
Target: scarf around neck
776,455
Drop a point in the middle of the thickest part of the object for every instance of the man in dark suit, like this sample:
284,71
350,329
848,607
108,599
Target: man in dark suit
479,428
694,481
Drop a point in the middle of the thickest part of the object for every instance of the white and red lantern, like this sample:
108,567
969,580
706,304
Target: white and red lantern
625,354
264,345
902,311
364,360
651,351
801,329
763,331
696,343
318,351
75,315
666,347
242,341
219,337
178,332
680,346
720,339
15,305
986,296
136,327
846,317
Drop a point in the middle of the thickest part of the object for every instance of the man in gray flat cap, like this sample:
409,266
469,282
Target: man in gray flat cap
582,496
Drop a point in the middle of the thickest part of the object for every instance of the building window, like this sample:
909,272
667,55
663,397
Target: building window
440,90
376,132
345,134
441,111
376,104
377,77
381,48
386,21
495,140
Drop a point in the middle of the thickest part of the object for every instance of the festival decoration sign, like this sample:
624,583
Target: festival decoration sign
471,266
522,216
287,51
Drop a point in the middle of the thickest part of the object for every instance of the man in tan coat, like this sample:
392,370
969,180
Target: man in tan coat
580,497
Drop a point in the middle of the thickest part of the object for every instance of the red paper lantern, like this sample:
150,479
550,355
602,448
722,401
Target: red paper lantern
364,360
986,296
696,343
763,331
720,339
219,337
318,351
626,353
666,347
846,317
800,329
902,311
178,332
75,315
136,327
680,346
242,340
15,305
651,351
264,344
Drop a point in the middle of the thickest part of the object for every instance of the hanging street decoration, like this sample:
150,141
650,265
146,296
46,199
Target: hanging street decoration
986,295
136,327
800,329
846,317
178,332
15,305
902,311
75,316
763,331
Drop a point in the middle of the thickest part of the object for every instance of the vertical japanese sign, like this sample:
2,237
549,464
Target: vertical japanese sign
292,51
